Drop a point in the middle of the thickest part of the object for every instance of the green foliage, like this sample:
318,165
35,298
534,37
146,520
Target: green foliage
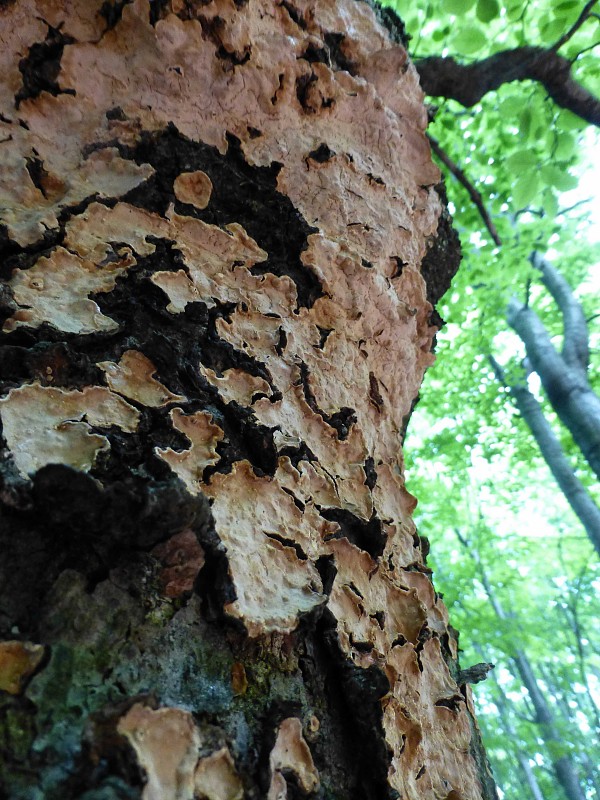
470,458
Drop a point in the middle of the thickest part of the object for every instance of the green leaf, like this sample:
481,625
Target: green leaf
570,122
487,10
560,178
566,146
439,34
521,159
525,189
514,12
551,30
510,106
457,7
550,203
525,122
469,39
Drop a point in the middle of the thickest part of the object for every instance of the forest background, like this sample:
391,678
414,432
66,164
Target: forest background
514,562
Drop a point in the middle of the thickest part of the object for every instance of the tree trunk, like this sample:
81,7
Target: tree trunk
562,765
563,375
551,449
214,321
503,705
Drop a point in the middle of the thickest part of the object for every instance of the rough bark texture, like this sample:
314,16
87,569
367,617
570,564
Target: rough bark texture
214,324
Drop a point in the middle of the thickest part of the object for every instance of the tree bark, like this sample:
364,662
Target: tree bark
563,375
551,449
214,324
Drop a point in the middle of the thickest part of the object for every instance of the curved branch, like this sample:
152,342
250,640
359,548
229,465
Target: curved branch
554,455
567,387
472,191
444,76
576,345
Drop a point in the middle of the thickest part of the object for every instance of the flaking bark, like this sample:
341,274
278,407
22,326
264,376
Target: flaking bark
214,324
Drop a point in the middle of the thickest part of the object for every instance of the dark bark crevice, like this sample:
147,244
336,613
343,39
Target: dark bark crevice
442,259
351,749
368,536
41,66
341,421
241,193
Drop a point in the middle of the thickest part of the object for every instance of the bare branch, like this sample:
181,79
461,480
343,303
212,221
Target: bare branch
445,77
573,207
576,337
587,49
473,193
575,27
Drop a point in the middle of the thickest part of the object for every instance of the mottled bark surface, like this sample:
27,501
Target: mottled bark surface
214,324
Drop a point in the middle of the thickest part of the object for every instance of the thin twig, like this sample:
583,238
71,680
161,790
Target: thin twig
472,191
576,25
573,207
585,50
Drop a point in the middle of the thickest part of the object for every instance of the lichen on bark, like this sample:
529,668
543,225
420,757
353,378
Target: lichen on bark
212,283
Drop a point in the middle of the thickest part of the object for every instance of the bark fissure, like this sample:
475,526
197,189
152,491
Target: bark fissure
241,193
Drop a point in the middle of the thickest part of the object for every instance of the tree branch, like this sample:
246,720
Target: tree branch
472,191
553,453
576,338
576,25
443,76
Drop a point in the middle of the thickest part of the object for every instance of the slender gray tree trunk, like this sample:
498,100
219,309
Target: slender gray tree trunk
552,451
563,766
563,375
528,773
